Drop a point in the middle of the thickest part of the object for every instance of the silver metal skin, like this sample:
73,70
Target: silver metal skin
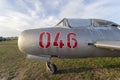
29,42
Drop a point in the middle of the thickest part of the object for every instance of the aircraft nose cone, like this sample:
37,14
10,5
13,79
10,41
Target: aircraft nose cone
28,42
24,41
21,41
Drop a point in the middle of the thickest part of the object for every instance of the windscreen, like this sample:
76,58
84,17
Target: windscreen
76,23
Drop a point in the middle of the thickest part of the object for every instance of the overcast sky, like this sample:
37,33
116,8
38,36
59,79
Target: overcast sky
18,15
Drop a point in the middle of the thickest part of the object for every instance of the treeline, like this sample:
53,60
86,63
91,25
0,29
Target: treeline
8,38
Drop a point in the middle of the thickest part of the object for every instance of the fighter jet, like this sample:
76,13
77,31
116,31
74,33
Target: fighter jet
71,38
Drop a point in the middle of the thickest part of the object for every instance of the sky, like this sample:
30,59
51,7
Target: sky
19,15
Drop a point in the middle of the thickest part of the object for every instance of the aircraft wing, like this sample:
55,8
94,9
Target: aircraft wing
113,45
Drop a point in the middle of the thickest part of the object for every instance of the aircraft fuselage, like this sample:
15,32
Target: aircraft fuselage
67,43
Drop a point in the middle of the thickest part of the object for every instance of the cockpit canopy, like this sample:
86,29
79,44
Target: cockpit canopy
84,23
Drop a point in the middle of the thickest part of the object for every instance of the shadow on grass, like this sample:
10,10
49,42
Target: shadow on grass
74,70
112,66
84,69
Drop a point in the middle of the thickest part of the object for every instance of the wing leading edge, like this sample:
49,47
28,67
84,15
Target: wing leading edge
113,45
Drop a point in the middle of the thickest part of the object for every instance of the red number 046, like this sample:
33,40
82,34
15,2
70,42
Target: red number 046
70,37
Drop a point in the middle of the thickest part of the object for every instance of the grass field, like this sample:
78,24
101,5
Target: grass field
15,66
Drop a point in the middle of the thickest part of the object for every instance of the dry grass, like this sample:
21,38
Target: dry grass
15,66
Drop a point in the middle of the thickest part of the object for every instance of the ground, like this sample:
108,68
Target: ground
15,66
